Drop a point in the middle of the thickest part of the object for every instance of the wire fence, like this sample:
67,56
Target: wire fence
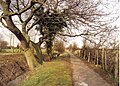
107,59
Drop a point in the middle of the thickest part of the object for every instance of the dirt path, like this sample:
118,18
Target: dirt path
84,76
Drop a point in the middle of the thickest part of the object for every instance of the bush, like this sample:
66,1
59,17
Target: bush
59,46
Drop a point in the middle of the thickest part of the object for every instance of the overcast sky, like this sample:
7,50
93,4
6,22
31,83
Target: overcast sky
6,33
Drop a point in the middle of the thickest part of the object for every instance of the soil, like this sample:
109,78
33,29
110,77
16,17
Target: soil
11,67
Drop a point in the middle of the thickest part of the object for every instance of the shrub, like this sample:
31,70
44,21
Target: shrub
59,46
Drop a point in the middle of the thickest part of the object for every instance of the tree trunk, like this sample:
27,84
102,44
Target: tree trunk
49,49
49,52
32,63
38,52
22,36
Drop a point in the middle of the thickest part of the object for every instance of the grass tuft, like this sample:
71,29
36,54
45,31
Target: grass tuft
56,73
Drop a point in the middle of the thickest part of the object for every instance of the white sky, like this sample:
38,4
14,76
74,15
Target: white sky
6,33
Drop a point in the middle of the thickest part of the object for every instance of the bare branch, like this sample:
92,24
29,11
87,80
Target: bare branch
22,10
3,23
69,35
36,22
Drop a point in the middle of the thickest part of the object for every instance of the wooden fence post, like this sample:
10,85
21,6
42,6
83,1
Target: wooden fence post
84,54
103,60
97,56
80,53
94,56
89,56
116,65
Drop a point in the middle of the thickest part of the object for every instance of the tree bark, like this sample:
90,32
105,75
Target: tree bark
49,49
49,52
22,36
32,63
37,49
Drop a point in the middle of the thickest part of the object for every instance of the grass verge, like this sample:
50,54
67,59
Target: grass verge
55,73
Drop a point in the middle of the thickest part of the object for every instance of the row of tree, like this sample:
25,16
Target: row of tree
51,19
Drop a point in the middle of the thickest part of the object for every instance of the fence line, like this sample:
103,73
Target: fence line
107,59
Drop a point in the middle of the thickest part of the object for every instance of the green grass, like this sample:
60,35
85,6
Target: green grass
10,51
56,73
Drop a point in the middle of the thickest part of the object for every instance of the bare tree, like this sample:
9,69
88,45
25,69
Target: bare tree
59,46
108,38
19,9
83,16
